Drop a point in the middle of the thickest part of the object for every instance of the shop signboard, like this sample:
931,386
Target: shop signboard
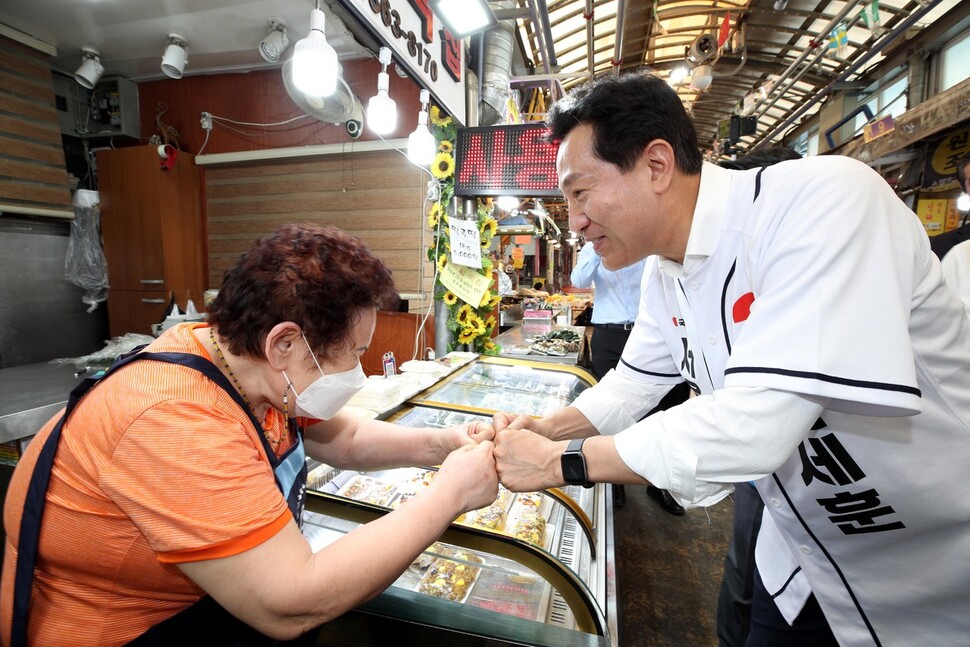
422,45
942,156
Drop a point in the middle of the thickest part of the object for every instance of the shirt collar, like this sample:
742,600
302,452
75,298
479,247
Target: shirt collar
708,219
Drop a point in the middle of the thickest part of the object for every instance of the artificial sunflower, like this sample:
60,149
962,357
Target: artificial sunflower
497,299
488,228
467,335
446,146
434,215
490,323
489,345
438,118
442,261
478,325
486,299
443,166
487,204
450,298
465,314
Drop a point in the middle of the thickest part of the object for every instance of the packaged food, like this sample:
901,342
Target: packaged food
451,578
531,527
491,518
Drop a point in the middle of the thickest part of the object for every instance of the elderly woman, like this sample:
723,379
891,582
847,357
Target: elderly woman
173,505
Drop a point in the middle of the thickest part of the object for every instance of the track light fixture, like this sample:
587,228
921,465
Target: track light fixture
175,57
381,109
90,71
272,47
314,60
421,142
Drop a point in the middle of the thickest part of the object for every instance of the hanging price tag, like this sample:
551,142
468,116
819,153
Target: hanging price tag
466,246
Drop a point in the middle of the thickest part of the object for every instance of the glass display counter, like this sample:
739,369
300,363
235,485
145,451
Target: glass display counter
530,569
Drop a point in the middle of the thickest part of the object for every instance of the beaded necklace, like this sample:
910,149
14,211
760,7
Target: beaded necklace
232,376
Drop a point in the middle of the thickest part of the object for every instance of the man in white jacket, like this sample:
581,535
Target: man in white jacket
803,303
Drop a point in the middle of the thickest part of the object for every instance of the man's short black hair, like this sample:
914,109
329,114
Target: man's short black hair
628,112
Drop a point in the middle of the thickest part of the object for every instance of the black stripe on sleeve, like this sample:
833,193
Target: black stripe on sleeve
865,384
644,372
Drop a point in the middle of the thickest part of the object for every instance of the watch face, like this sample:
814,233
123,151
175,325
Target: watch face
574,468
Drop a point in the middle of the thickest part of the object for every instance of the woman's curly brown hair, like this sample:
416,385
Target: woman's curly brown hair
318,277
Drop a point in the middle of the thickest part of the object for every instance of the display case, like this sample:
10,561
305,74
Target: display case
530,569
516,385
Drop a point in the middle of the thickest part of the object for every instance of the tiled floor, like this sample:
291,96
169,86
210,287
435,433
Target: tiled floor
668,571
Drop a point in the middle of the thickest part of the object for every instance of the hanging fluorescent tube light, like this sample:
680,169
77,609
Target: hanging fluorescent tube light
315,61
381,109
421,143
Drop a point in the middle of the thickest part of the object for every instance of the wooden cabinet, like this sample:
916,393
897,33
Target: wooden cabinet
154,235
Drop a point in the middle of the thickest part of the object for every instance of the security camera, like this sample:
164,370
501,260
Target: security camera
355,125
702,48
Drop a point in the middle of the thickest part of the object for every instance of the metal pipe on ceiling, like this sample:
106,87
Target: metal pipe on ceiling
618,47
555,87
849,6
588,15
540,42
898,31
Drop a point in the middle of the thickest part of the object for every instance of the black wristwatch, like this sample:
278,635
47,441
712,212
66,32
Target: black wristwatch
574,464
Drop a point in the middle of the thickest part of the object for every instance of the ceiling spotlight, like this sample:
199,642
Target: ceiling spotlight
381,109
315,61
272,47
175,57
464,17
421,143
91,69
678,74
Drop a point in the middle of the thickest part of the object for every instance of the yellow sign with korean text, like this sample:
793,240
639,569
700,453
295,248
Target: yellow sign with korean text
467,284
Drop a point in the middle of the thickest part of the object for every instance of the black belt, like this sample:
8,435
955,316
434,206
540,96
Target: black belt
615,326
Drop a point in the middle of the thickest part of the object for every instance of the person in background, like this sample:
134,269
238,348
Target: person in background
174,504
803,303
616,299
956,261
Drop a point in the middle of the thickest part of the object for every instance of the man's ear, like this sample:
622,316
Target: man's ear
659,159
283,343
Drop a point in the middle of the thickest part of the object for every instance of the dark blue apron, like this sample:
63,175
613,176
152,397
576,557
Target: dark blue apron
205,622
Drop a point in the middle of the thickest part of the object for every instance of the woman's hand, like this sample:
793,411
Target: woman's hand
470,433
469,473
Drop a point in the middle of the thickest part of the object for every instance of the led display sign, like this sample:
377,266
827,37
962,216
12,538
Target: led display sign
511,160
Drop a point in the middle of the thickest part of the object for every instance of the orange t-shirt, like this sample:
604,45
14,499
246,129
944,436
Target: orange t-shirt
157,466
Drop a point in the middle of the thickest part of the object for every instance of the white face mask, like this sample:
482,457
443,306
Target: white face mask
328,393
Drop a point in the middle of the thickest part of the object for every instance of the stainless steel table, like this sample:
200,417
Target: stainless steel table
30,395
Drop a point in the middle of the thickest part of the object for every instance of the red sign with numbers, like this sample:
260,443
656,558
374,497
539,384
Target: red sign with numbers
513,160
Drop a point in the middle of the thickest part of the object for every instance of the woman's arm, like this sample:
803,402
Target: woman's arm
283,589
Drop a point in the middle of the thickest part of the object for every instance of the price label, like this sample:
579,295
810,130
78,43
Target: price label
466,246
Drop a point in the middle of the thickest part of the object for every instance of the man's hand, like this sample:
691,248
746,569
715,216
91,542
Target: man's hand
527,461
503,420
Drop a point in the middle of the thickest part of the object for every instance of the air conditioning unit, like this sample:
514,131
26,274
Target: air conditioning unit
109,110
